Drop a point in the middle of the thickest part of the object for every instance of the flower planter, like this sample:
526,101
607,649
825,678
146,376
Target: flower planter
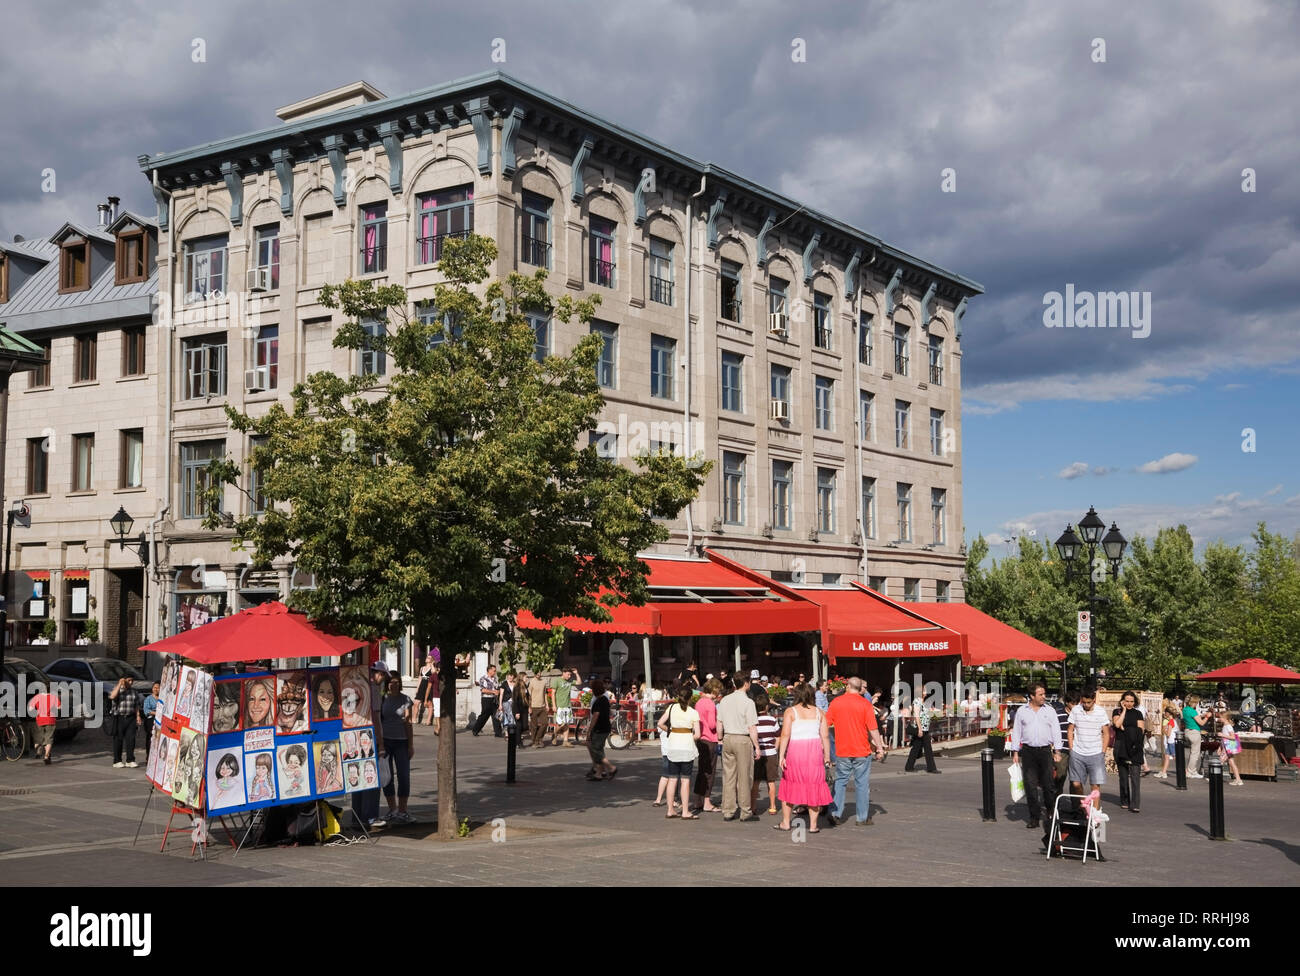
998,743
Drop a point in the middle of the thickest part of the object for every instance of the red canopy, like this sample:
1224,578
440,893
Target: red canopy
988,640
858,622
269,630
1251,669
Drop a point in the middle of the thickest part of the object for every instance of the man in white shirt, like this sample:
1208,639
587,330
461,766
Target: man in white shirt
1088,743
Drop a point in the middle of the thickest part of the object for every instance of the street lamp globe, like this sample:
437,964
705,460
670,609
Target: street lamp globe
1114,544
122,525
1091,526
1068,546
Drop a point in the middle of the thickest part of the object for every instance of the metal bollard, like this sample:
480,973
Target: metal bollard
989,812
511,744
1180,760
1218,831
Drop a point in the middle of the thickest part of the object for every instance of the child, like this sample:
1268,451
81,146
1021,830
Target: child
765,767
1231,745
261,788
1169,725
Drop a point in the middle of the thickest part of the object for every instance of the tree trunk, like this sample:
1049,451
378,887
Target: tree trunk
448,823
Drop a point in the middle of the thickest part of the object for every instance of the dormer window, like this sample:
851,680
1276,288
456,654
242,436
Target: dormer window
4,278
132,257
74,265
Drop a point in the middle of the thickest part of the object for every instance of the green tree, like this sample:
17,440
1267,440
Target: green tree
1272,617
457,494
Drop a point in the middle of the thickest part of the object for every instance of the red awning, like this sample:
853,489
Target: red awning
1251,669
858,622
700,597
988,640
76,574
268,630
39,575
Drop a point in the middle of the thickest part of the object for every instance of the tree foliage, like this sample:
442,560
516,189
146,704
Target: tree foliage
456,494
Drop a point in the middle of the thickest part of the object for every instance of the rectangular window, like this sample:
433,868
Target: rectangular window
729,292
258,502
38,465
541,335
936,433
869,507
822,320
133,352
938,524
912,590
601,246
823,401
733,365
74,266
266,355
781,386
536,243
374,358
41,374
866,343
131,263
131,471
825,500
374,238
733,488
441,215
4,278
778,301
605,443
195,479
900,350
266,266
941,590
902,423
866,416
85,358
607,365
936,360
661,271
877,583
904,512
782,483
83,462
663,353
205,267
205,366
440,325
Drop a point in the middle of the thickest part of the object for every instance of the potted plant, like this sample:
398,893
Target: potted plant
50,630
91,633
997,741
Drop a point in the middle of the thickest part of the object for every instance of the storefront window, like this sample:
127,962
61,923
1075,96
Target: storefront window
201,596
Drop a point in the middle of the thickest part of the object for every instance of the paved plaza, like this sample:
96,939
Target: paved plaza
73,823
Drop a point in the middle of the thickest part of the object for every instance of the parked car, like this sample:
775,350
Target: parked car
102,673
66,727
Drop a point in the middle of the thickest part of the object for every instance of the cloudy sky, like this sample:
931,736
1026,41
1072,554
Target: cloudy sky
1099,146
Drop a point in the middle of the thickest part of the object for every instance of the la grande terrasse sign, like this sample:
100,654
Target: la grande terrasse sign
849,646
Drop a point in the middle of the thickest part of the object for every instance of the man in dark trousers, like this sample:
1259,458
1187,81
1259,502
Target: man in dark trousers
920,739
1035,747
490,701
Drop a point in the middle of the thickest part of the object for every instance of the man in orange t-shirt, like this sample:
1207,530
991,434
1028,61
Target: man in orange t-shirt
856,737
45,708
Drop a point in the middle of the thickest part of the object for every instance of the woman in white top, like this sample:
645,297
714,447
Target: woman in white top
682,725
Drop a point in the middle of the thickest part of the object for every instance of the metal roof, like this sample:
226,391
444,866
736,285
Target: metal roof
184,165
40,249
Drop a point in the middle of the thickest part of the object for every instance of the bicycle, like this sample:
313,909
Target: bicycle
622,729
13,739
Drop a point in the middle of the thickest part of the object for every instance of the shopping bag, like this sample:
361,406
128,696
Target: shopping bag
1017,782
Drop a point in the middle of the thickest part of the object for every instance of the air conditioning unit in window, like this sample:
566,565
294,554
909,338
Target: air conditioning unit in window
778,324
257,379
780,410
259,279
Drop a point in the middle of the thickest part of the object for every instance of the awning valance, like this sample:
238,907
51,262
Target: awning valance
76,574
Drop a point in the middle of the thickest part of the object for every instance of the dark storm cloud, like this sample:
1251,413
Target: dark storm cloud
1117,176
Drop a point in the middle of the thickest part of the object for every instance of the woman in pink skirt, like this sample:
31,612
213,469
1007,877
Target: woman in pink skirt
805,752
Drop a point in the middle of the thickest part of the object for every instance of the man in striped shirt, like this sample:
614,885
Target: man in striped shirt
765,768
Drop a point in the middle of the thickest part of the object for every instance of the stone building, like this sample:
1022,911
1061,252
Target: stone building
818,366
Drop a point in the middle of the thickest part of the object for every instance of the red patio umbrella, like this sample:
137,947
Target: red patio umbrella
1251,669
269,630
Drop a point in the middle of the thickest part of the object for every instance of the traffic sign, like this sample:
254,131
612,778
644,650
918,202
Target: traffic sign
1084,637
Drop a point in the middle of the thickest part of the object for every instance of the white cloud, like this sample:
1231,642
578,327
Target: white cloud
1076,470
1293,500
1168,463
1101,471
1275,490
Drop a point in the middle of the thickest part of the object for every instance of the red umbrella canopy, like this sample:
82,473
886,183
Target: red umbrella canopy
1251,669
269,630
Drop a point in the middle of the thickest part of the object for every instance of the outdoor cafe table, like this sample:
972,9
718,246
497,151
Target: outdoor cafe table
1258,757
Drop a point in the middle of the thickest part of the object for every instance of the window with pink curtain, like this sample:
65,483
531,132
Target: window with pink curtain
374,236
443,214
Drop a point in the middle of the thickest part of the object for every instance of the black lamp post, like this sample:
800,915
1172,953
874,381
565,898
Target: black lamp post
122,525
1112,544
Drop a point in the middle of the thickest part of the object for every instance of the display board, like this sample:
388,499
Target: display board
241,742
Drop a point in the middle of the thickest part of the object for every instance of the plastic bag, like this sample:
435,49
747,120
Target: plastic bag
1017,782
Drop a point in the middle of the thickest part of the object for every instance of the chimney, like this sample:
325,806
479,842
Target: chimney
112,207
103,209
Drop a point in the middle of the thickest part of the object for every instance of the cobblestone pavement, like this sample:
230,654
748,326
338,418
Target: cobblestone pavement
73,823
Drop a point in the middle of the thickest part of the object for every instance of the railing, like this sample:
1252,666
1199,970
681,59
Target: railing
822,337
430,248
537,252
936,374
374,259
900,364
661,290
731,309
602,272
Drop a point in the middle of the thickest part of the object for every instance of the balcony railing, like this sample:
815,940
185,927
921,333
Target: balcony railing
374,259
661,290
936,374
822,336
430,248
537,252
602,272
900,365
